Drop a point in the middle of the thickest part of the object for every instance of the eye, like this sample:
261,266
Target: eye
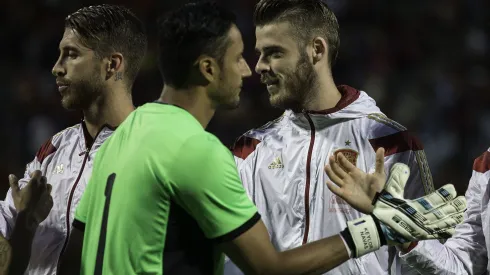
72,54
276,54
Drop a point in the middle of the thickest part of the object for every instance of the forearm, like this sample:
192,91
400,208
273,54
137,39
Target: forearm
21,242
313,258
5,256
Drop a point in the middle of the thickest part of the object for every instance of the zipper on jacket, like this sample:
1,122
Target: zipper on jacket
308,177
70,198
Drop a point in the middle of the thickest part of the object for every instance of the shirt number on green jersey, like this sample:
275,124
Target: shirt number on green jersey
103,229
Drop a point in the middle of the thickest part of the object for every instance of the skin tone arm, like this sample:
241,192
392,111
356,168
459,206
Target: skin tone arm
254,253
33,204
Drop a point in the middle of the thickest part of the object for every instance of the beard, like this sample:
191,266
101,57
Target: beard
225,96
298,86
81,94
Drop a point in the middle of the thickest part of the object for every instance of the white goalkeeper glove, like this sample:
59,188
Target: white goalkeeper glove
396,220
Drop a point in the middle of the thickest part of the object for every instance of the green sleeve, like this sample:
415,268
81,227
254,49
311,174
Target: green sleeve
204,181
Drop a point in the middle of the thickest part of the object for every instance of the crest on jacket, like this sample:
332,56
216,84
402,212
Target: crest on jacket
350,154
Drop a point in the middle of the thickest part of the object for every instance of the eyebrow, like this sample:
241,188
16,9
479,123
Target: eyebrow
69,48
273,48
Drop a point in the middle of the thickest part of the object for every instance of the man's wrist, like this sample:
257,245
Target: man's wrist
365,235
26,221
348,242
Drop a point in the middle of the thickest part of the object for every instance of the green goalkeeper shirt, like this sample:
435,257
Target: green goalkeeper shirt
163,194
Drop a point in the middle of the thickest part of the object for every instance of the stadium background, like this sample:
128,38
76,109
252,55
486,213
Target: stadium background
425,62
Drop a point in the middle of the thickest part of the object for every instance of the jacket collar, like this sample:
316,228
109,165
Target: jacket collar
89,143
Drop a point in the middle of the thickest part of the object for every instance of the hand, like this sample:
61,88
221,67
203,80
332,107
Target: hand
433,216
34,199
354,186
396,220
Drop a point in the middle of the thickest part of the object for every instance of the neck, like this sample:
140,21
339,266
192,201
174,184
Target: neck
111,110
193,100
325,94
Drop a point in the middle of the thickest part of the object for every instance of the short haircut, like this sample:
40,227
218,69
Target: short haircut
110,28
309,18
184,34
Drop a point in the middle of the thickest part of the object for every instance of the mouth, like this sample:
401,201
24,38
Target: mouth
62,86
271,83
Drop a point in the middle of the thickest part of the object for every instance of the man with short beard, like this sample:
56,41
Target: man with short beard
281,163
100,54
173,202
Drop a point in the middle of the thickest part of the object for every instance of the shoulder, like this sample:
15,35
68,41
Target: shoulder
201,148
391,135
201,156
482,163
246,144
51,145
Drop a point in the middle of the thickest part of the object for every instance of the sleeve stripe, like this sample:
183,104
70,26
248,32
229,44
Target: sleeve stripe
244,146
239,231
482,163
396,143
46,149
381,118
425,174
79,225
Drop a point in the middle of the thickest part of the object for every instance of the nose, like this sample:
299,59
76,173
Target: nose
262,66
58,69
246,72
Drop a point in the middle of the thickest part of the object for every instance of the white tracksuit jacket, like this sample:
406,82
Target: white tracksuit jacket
67,163
282,168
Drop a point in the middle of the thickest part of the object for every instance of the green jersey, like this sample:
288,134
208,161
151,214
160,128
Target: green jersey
163,194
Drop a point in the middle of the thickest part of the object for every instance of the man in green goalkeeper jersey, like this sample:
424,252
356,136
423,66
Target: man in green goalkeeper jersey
165,196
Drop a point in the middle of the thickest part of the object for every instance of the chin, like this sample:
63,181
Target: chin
275,100
230,105
66,104
70,104
282,102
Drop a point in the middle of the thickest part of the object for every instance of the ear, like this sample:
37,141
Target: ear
208,67
320,49
115,66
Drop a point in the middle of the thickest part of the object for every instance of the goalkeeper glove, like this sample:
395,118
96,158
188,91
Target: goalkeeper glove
396,220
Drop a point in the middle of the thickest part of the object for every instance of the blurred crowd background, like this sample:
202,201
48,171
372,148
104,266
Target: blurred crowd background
425,62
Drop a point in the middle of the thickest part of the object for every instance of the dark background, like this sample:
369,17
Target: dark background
425,62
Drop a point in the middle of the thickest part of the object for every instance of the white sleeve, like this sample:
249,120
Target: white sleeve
465,251
485,216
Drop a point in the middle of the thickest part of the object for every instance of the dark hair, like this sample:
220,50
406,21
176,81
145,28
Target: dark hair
309,18
193,30
109,28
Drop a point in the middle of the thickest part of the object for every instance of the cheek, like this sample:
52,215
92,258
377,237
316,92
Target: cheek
281,68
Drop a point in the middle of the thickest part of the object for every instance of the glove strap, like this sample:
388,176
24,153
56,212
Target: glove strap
363,235
376,196
382,237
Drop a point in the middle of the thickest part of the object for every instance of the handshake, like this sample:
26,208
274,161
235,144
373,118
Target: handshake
393,220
